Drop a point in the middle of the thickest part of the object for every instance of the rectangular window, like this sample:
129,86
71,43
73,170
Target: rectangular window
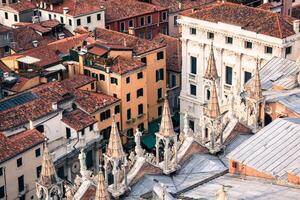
164,16
88,19
91,127
248,45
70,22
140,109
93,85
98,17
102,77
105,115
49,16
144,60
78,22
192,124
38,171
173,80
16,18
6,15
128,97
234,164
159,75
130,23
94,75
37,152
193,65
68,132
228,78
113,80
193,31
2,192
122,27
149,35
139,93
142,35
159,111
210,35
142,21
21,183
149,19
268,50
159,93
140,75
229,40
160,55
117,109
128,114
193,90
19,162
61,20
247,76
127,79
175,20
288,50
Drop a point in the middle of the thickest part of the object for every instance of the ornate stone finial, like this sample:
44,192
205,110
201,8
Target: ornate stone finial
137,138
114,148
82,158
166,125
101,192
211,70
221,194
48,174
255,90
213,104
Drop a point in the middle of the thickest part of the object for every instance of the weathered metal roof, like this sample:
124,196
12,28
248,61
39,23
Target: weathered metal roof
274,150
276,69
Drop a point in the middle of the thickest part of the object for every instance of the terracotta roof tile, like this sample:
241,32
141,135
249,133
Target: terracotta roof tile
173,5
18,143
97,51
122,65
117,10
20,6
140,46
249,18
77,81
19,85
92,101
78,119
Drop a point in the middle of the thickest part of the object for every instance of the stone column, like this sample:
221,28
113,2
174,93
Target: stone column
176,156
212,135
157,149
166,155
105,170
115,174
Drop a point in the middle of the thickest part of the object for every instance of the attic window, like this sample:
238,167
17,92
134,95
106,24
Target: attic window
234,164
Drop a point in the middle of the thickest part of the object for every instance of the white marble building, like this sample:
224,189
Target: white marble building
240,36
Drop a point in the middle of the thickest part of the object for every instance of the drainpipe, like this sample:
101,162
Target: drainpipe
4,170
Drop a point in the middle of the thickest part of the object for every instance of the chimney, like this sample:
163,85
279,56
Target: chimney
81,62
35,43
51,6
296,25
54,106
266,1
131,31
31,125
180,5
124,42
66,10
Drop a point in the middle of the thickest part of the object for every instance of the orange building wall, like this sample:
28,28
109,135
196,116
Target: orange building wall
293,179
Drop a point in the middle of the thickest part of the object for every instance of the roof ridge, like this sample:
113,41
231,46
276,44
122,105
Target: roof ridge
279,27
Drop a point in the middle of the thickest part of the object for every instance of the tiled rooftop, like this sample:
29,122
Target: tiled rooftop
249,18
18,143
19,7
140,46
78,119
92,101
77,81
122,65
118,10
173,5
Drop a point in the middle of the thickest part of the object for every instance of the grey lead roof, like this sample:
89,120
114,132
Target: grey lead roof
278,71
273,150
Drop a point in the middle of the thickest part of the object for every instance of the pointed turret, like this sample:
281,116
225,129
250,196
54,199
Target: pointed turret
166,125
213,104
114,148
211,70
255,90
48,174
101,192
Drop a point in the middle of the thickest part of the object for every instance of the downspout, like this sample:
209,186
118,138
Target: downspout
4,168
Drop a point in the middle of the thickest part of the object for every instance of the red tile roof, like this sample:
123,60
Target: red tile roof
249,18
97,51
92,101
173,5
19,143
77,7
4,68
19,85
77,81
117,10
140,46
20,6
78,120
122,65
21,114
173,51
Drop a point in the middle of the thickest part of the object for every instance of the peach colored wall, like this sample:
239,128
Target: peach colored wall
276,109
293,179
115,53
